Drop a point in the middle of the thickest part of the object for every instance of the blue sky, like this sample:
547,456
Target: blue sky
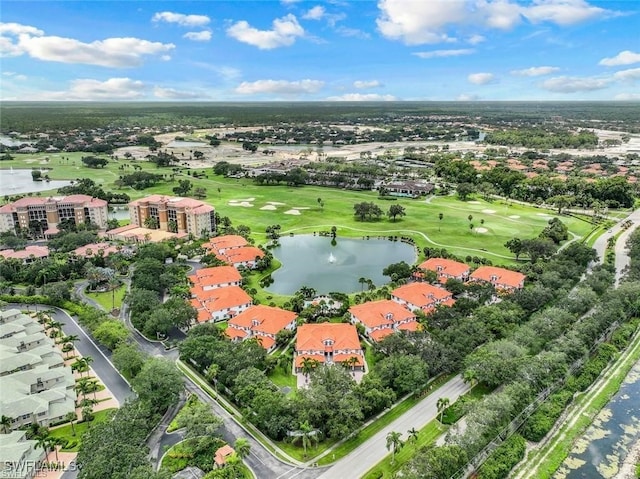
290,50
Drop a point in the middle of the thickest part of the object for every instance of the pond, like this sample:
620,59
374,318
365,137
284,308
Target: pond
17,182
312,261
8,141
119,213
606,443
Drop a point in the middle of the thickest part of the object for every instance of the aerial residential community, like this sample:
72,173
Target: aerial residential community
320,240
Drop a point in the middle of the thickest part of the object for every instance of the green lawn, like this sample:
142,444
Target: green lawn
106,300
282,378
386,469
74,441
421,221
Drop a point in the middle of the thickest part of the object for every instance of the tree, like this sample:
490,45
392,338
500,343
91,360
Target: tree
367,211
242,446
307,365
464,190
111,333
5,424
394,444
516,246
440,216
413,434
70,417
396,210
128,359
151,222
198,420
561,202
306,433
95,162
442,404
158,383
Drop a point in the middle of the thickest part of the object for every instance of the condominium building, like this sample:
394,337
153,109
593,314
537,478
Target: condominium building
173,214
20,457
37,386
45,214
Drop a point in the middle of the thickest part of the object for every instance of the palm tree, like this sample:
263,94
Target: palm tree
53,443
307,434
308,365
70,417
87,361
442,404
394,444
440,216
5,424
242,447
413,434
42,440
362,281
470,218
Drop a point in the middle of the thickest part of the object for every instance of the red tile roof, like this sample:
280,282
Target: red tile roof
226,241
215,275
447,267
93,249
263,319
312,337
31,250
222,454
380,313
498,276
421,295
243,255
221,298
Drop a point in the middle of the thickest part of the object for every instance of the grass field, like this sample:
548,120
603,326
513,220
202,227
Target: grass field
75,441
106,299
497,220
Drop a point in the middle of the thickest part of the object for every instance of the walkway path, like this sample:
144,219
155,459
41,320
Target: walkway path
368,454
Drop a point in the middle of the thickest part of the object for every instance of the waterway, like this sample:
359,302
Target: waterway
18,182
606,443
313,261
8,141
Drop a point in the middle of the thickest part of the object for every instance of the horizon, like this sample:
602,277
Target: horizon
293,51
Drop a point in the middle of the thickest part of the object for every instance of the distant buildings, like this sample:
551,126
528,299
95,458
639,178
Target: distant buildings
27,255
45,214
36,385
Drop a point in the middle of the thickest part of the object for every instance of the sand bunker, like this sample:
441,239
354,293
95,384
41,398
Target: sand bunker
481,230
269,207
545,215
292,212
276,203
246,204
473,202
489,212
514,217
300,207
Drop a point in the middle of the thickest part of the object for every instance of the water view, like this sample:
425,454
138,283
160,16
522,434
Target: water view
606,443
18,182
312,261
186,144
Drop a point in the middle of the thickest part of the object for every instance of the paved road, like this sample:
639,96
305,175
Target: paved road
371,452
622,259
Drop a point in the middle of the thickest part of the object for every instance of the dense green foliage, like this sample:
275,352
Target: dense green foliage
507,455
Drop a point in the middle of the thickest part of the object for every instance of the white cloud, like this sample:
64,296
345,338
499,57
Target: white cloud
110,52
627,75
534,71
467,97
315,13
181,19
475,39
172,94
203,36
566,84
284,33
623,58
89,90
481,78
352,32
19,29
280,87
363,84
627,96
418,22
444,53
562,12
362,97
15,76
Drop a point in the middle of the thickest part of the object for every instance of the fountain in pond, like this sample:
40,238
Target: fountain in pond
332,259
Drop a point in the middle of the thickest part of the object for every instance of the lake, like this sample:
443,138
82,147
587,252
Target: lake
8,141
18,182
186,144
605,444
312,261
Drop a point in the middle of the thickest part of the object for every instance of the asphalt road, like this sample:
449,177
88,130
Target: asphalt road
371,452
622,259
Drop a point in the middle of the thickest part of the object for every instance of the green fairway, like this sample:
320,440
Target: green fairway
493,222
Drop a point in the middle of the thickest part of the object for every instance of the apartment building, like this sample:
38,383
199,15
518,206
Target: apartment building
173,214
